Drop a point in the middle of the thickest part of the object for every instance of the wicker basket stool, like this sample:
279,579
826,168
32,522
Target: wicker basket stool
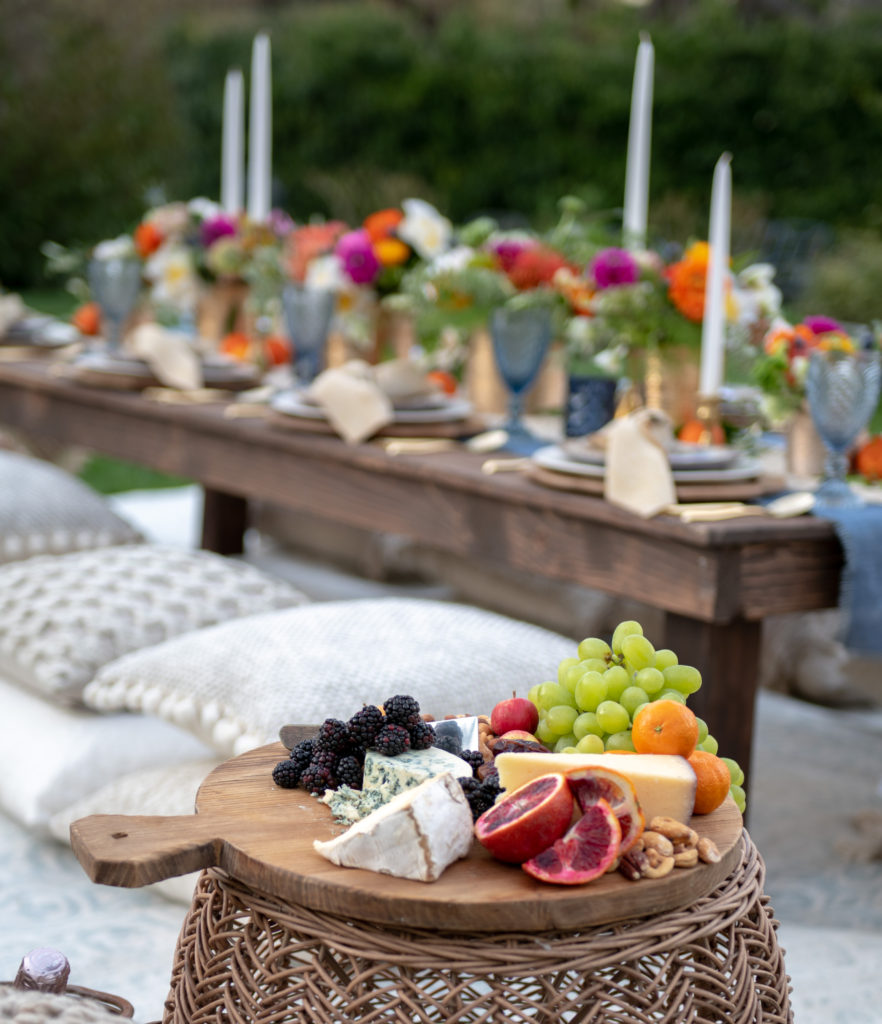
245,957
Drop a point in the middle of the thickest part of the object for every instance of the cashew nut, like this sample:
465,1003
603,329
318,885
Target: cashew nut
707,851
664,867
656,841
674,830
686,858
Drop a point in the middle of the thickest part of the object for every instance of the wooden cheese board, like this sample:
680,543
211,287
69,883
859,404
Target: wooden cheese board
262,835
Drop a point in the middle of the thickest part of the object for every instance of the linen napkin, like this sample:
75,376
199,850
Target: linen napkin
12,309
169,354
354,403
638,474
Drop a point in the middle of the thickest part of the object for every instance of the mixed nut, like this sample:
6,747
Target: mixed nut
666,844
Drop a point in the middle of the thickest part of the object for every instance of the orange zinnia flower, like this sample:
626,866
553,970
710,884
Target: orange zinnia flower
148,238
687,280
383,223
308,242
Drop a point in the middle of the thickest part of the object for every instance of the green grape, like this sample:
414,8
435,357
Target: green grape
670,695
591,689
637,711
575,672
590,744
543,733
594,665
560,719
594,647
612,716
617,679
684,678
702,729
735,772
739,796
709,744
627,628
533,694
551,694
638,652
562,668
632,698
650,680
586,725
619,741
664,658
563,742
569,750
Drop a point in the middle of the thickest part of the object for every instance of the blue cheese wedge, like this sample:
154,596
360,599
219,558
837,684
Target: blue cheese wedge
418,834
350,805
393,775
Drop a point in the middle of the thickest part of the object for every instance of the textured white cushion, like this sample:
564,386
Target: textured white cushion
52,757
44,510
235,685
64,616
167,790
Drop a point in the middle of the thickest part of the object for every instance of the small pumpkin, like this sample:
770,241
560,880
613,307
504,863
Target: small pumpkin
868,458
87,318
693,431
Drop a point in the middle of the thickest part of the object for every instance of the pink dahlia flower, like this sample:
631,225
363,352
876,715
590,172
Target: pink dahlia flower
217,227
821,324
611,267
357,255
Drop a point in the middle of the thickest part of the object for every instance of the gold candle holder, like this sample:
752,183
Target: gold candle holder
708,415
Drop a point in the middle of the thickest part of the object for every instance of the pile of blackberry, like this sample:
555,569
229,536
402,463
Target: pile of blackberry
335,755
481,793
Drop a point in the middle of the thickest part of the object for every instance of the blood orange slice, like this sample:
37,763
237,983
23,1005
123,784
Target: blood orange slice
527,820
592,784
584,853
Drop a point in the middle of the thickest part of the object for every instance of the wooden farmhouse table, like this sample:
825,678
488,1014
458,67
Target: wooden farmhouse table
715,582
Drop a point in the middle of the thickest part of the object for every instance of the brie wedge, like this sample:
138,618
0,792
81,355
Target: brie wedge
416,835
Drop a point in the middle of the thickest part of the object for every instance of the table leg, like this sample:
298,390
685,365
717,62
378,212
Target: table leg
727,655
224,520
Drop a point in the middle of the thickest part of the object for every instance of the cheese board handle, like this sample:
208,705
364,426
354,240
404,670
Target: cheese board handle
135,850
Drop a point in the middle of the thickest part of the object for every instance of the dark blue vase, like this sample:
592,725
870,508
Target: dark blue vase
591,403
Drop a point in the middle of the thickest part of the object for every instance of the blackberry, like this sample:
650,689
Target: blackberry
332,735
402,710
473,758
349,772
316,780
287,774
365,724
422,736
324,759
479,801
469,785
449,743
301,755
392,740
491,787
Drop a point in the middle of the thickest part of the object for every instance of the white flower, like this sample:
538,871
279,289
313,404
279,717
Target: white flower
171,219
120,248
758,298
424,228
204,209
452,261
325,272
173,276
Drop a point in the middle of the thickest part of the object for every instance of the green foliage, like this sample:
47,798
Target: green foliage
479,111
112,476
844,283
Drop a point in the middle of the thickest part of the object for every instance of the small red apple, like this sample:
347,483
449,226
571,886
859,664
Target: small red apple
516,714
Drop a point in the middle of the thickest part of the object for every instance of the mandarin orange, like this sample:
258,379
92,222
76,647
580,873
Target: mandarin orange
665,727
713,781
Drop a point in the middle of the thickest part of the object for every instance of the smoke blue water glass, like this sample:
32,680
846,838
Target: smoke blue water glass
521,339
115,284
308,313
842,390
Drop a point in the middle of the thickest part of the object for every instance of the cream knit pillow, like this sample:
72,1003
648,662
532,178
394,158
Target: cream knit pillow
44,510
235,685
63,617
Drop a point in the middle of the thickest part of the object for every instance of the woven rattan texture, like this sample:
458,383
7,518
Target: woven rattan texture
245,958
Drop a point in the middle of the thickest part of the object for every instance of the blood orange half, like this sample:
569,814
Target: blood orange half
527,820
584,853
592,784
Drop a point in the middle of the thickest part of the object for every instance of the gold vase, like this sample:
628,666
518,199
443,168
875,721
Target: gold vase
805,450
670,382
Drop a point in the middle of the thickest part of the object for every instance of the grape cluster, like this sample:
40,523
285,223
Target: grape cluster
335,755
592,705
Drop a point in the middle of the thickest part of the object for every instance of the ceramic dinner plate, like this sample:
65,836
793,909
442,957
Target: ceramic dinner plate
293,403
680,455
215,369
553,457
41,332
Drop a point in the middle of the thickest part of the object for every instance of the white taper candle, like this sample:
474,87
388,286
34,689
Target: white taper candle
713,328
232,145
260,130
639,148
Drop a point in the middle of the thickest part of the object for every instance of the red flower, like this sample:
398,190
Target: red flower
535,266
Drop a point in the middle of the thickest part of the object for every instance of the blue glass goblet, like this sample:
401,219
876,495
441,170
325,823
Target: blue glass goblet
521,339
115,283
308,313
842,390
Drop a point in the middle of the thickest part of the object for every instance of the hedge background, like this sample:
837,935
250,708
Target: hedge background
106,107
